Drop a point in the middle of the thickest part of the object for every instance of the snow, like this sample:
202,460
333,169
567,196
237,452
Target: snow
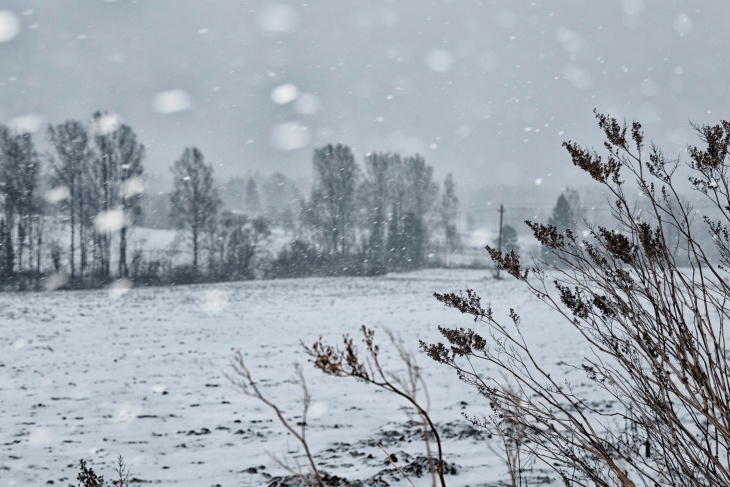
171,101
278,18
141,373
440,60
119,288
307,104
106,123
649,87
682,24
27,124
109,221
580,77
55,281
290,136
507,19
633,7
57,194
283,94
571,41
132,187
9,25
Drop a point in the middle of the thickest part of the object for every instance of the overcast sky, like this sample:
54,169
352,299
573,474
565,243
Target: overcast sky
486,89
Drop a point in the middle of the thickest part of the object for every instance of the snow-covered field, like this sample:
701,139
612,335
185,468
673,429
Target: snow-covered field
95,374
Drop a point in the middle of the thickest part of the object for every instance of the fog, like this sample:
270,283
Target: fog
487,90
197,195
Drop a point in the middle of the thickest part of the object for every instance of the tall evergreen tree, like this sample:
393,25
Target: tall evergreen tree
448,211
562,217
252,200
194,201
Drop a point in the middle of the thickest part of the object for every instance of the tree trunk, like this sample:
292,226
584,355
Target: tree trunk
39,246
106,255
95,255
71,260
195,248
335,235
123,271
21,244
82,236
30,244
9,256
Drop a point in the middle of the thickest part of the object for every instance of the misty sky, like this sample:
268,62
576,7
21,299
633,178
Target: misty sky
486,89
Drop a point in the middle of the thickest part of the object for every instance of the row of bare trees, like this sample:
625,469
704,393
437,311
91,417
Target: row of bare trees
94,178
100,168
374,219
90,184
386,211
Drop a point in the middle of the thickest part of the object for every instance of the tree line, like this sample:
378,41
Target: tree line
93,178
68,212
357,220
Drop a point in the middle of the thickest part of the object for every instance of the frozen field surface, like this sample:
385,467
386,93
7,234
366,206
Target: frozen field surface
96,374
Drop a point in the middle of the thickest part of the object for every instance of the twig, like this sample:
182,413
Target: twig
392,462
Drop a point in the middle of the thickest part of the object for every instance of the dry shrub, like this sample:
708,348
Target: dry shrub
650,301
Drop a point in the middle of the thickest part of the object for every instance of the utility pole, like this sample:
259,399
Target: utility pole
499,240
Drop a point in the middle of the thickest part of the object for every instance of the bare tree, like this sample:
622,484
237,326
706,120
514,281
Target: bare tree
422,190
656,330
334,194
131,156
19,177
238,240
376,189
194,201
413,194
9,194
70,142
106,171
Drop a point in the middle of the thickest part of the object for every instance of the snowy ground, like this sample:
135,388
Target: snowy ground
95,374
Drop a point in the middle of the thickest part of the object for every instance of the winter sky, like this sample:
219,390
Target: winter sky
486,89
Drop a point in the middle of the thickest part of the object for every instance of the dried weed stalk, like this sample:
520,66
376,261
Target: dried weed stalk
348,362
510,429
242,378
